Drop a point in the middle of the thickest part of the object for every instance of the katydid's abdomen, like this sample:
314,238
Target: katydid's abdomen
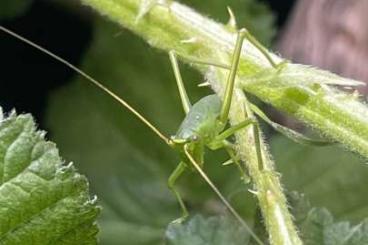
201,123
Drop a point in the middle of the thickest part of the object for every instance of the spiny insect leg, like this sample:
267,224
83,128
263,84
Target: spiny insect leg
230,82
264,51
289,133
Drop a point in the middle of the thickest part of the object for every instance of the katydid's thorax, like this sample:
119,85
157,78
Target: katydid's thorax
201,124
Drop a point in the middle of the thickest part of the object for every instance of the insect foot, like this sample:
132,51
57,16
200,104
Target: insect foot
180,220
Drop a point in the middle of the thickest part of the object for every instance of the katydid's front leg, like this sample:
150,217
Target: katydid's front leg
179,170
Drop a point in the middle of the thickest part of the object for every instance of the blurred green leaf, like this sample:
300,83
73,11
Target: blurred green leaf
329,176
13,8
198,230
317,225
320,228
300,205
42,200
127,164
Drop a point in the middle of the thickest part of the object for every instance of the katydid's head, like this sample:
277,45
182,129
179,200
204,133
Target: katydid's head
175,141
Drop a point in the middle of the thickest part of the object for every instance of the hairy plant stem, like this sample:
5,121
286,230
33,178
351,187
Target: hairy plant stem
299,90
253,151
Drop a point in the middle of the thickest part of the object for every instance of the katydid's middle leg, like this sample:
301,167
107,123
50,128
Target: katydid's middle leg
229,147
233,129
217,142
221,142
179,170
232,153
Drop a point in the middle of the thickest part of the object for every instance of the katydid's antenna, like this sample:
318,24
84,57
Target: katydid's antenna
89,78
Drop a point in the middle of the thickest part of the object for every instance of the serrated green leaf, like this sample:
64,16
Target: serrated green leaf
217,230
329,176
319,227
42,200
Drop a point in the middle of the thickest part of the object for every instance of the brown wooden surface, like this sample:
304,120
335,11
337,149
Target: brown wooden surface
330,34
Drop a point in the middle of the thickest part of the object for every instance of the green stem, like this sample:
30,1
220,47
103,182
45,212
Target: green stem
337,115
296,89
253,151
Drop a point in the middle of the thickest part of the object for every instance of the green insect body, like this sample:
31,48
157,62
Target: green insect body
200,126
201,123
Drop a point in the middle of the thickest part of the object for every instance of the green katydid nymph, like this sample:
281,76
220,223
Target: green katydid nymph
204,125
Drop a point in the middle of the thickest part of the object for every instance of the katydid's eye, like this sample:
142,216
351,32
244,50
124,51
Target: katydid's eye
194,138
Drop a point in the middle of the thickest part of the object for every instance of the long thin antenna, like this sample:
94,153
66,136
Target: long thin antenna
89,78
223,199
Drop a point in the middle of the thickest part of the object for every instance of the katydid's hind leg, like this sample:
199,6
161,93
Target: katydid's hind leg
179,81
179,170
289,133
230,82
279,66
